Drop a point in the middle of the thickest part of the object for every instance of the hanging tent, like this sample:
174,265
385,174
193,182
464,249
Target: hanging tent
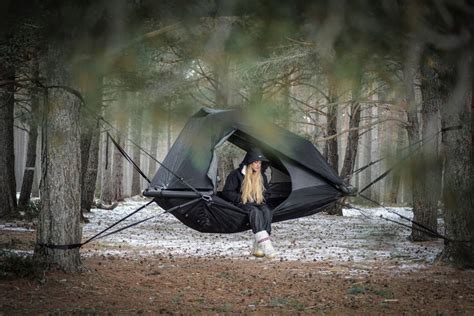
302,182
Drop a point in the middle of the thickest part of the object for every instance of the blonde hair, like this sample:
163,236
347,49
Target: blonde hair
252,187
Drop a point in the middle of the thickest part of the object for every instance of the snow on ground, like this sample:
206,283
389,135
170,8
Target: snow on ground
351,238
14,227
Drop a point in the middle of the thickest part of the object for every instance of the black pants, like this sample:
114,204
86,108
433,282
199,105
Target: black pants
260,217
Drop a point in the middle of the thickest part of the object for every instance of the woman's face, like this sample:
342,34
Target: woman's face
256,166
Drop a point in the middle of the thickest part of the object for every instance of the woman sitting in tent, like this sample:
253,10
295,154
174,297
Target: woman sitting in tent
247,187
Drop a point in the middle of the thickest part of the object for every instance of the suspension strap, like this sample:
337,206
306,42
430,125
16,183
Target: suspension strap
367,166
424,140
383,175
422,228
156,160
72,246
101,233
396,222
127,157
148,218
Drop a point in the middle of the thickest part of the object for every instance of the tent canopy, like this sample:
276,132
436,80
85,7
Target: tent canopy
302,182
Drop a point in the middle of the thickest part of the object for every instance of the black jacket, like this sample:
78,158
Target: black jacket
231,191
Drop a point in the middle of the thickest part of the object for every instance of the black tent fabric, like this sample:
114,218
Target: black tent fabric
302,182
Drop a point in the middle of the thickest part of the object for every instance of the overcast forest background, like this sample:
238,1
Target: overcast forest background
381,88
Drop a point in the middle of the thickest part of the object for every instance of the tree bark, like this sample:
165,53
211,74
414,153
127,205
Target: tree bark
333,157
155,136
366,176
136,126
90,134
107,189
90,181
413,130
458,190
169,128
352,138
8,203
59,221
118,159
392,196
332,145
416,179
429,167
29,173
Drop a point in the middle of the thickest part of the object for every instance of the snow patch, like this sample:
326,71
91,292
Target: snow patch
352,238
14,227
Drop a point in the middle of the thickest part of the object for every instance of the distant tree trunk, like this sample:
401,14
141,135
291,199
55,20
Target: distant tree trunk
107,188
155,136
331,130
29,173
7,155
413,131
169,127
352,137
59,220
90,178
416,178
429,167
458,190
333,157
392,196
117,172
90,132
366,153
117,166
136,126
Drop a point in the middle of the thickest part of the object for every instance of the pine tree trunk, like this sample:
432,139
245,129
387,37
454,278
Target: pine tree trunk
416,178
333,157
392,196
90,132
366,153
90,178
169,127
413,130
155,136
59,220
352,142
136,126
29,174
8,202
429,168
458,189
375,153
118,160
332,145
107,189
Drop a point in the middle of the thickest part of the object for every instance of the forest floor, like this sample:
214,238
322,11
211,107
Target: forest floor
355,264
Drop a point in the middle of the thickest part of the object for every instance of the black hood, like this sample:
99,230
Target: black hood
254,155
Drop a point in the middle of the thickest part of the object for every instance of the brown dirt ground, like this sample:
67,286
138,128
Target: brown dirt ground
169,285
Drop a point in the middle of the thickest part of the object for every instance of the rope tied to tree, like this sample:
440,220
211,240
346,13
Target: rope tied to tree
101,233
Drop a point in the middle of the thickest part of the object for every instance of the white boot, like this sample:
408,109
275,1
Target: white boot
257,251
263,240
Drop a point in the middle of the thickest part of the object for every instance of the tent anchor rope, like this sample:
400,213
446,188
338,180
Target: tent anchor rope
423,141
127,157
150,156
422,228
393,221
100,234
